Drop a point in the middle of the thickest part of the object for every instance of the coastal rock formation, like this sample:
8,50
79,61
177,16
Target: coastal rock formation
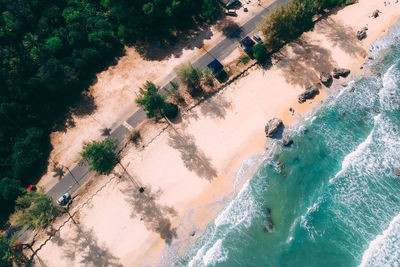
326,79
397,171
287,142
340,72
375,14
309,93
362,34
273,126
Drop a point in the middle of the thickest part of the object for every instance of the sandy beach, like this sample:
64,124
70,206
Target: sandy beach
189,169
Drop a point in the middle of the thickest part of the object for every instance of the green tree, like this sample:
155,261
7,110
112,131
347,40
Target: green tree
211,9
260,53
150,100
285,23
36,210
101,157
6,253
190,76
9,189
170,110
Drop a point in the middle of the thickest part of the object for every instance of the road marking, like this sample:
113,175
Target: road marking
128,126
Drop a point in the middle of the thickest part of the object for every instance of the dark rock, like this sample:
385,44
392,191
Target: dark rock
273,126
351,89
377,110
309,93
362,34
287,142
340,72
397,171
193,233
375,14
270,227
326,79
281,165
398,108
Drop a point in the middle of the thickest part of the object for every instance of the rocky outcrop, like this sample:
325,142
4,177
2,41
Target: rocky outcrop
309,93
375,14
362,34
397,171
287,142
326,79
273,127
340,72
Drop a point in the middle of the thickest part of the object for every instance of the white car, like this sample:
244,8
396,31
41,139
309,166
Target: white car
231,12
64,199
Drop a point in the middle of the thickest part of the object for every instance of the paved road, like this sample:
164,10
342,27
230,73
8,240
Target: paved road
80,174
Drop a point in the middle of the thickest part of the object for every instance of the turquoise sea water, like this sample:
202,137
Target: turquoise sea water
336,201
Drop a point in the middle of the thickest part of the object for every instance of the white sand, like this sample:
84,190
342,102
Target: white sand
186,170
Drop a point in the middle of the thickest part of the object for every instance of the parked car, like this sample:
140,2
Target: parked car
64,199
32,187
245,8
231,12
257,38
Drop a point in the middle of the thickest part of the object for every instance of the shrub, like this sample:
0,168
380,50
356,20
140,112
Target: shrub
190,76
260,53
244,59
170,110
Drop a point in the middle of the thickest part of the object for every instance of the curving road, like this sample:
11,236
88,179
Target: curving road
80,174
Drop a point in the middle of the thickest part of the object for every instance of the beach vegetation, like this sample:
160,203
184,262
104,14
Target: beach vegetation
50,54
150,100
208,78
173,93
189,76
11,252
170,110
35,210
243,58
286,23
260,53
101,156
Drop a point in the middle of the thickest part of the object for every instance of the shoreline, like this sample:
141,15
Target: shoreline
289,120
235,118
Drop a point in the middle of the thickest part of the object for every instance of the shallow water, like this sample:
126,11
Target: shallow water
336,200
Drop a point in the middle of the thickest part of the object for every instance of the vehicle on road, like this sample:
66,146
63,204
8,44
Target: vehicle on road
64,199
230,12
245,8
257,38
246,44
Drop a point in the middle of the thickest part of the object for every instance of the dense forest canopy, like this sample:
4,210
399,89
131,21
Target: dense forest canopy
50,52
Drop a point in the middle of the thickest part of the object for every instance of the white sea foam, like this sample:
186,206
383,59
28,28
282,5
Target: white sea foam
213,255
385,249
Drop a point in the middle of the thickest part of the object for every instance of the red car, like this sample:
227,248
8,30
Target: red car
32,188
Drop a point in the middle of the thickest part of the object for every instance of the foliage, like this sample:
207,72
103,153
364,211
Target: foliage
260,53
6,252
208,78
190,76
150,100
170,110
173,92
244,59
286,23
100,156
328,4
50,52
36,210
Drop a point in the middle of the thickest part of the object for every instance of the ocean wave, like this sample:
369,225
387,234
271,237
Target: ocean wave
217,253
384,250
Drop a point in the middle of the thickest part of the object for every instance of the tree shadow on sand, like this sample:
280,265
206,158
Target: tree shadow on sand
345,37
302,62
84,246
229,28
155,217
194,159
215,107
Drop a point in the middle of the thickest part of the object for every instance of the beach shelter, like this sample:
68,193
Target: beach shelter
215,66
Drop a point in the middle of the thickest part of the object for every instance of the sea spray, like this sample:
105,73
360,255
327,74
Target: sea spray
335,201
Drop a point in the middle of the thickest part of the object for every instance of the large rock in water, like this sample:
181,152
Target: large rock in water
362,34
326,79
309,93
340,72
273,126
